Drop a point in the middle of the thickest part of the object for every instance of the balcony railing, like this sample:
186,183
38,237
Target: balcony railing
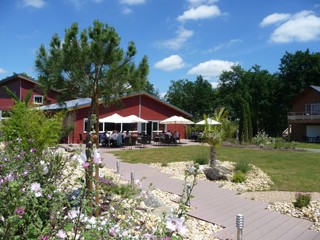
302,116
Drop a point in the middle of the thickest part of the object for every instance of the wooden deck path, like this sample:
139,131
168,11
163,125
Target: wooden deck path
220,206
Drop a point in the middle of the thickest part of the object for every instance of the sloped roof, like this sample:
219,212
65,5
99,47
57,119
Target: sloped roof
71,104
317,88
18,76
85,102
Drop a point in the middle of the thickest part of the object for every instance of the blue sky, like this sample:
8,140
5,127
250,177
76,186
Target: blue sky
182,38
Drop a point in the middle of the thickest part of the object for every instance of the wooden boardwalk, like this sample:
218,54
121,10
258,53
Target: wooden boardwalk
220,206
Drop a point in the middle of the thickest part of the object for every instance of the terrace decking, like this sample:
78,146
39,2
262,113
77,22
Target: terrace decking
220,206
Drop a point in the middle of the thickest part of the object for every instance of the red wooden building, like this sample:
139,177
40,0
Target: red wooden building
304,121
140,104
19,85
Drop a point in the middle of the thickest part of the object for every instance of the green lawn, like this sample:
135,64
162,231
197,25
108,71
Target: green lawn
290,171
308,145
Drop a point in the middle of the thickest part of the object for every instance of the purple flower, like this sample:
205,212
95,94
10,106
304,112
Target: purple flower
33,150
43,237
20,211
9,177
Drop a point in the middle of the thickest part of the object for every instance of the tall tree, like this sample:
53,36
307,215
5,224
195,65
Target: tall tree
195,97
91,64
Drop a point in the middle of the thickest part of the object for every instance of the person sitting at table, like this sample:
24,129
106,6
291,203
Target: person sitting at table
113,138
103,138
176,136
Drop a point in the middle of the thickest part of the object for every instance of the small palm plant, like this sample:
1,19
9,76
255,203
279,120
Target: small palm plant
215,134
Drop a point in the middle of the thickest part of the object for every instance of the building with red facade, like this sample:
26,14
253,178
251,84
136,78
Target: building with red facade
304,120
141,104
20,85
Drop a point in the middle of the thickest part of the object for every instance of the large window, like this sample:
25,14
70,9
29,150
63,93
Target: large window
38,99
313,108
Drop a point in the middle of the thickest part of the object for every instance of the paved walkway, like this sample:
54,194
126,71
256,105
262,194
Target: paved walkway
220,206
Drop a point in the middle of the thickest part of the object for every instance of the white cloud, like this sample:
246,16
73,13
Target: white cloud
201,12
214,84
132,2
211,69
170,63
33,3
274,18
2,71
175,43
304,26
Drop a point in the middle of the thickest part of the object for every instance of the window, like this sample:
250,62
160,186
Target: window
37,99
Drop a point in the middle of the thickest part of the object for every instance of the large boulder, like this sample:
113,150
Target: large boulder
218,173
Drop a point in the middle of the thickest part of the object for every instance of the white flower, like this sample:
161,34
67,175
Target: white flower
61,234
97,157
176,224
73,214
36,188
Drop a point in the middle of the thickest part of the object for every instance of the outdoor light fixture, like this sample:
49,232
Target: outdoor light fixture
132,178
118,167
239,225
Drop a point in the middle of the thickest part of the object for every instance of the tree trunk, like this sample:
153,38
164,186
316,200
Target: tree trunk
213,161
97,199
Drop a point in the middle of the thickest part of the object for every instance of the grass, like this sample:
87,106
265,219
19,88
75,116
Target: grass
308,145
290,171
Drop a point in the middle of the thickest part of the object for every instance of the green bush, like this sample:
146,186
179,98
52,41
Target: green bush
302,200
262,139
242,166
238,177
31,125
202,158
282,144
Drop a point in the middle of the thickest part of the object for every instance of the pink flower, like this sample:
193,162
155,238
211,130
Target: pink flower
61,234
44,237
85,165
97,157
20,211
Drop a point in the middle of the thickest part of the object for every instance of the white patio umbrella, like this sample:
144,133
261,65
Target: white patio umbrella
114,118
210,122
176,120
135,119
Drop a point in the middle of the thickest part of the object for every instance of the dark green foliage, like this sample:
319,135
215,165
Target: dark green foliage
238,177
242,166
195,97
302,200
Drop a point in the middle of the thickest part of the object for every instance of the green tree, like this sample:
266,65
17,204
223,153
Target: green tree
297,71
195,97
215,134
91,64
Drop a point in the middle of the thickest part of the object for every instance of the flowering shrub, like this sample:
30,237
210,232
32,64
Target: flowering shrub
262,139
42,196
